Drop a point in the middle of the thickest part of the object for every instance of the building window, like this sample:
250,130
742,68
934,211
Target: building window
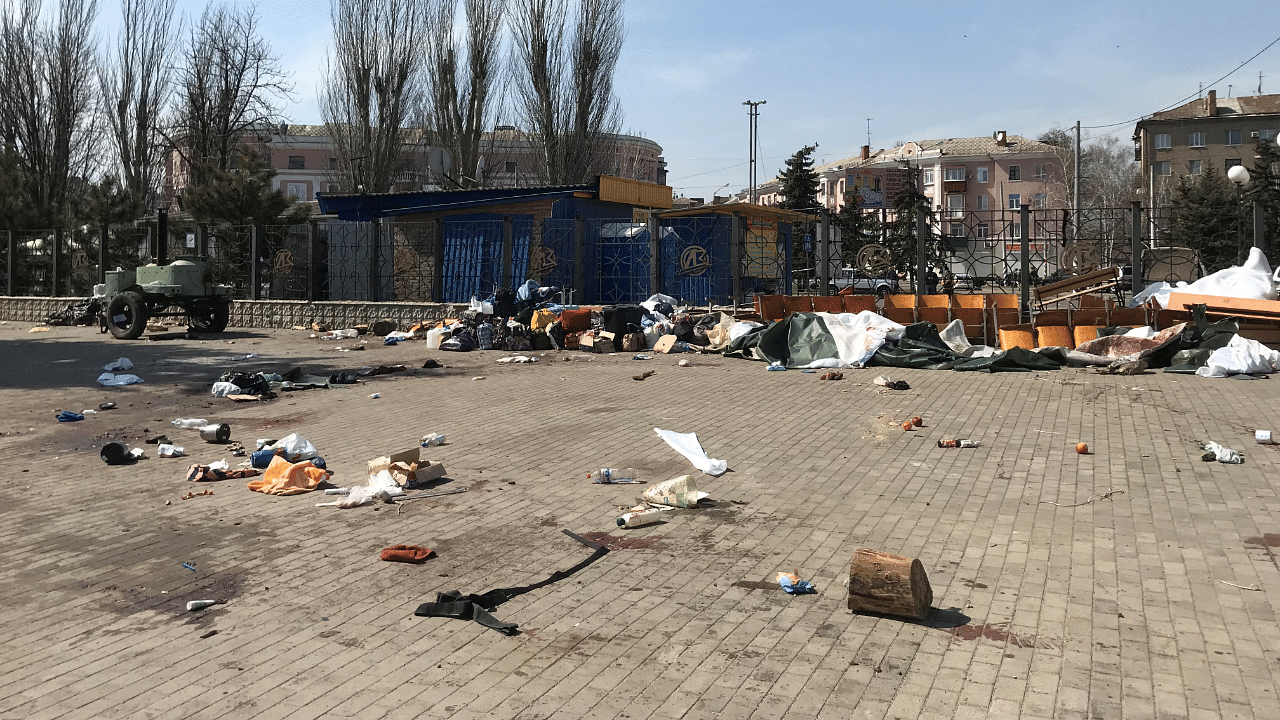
953,174
1040,173
1015,231
297,162
1267,134
1041,201
1164,167
983,175
1196,139
1164,141
1195,167
955,205
984,231
957,230
1233,137
1015,172
928,176
1015,201
983,202
1232,162
333,163
511,166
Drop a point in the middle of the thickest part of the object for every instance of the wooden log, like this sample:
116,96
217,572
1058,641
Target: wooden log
889,585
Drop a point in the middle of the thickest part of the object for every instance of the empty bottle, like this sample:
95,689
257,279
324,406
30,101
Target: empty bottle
165,450
607,476
639,519
200,604
432,440
957,443
193,423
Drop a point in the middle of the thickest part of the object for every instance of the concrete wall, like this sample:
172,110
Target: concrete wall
268,313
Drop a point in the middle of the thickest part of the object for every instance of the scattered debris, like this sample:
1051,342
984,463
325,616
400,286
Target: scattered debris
957,443
614,476
68,416
1214,451
430,364
1254,588
191,494
107,379
793,585
687,445
1082,448
218,471
107,406
1108,495
832,375
413,554
678,492
432,440
642,517
195,605
884,381
643,375
1134,367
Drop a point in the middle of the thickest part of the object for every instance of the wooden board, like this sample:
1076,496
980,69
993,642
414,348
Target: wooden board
1216,305
1102,279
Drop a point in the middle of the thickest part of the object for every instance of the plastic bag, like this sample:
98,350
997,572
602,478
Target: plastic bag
296,448
223,389
107,379
681,492
121,364
1240,355
485,308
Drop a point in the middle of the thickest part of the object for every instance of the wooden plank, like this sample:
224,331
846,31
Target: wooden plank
1226,306
1102,279
888,584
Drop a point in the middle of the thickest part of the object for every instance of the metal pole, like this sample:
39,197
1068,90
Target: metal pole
12,251
655,256
313,260
737,232
162,236
824,252
1075,190
753,124
375,260
506,280
104,254
922,255
1024,217
579,258
255,265
202,240
437,268
1135,248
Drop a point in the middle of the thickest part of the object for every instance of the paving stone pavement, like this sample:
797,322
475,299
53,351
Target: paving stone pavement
1105,585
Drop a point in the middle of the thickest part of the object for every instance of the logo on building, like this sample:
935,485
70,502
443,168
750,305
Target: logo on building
543,260
694,260
283,264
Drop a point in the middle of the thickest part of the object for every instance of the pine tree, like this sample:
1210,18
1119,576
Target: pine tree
241,196
1264,188
1207,217
900,232
799,183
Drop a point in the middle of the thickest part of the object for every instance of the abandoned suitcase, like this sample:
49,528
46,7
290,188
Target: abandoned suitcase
633,342
572,340
575,320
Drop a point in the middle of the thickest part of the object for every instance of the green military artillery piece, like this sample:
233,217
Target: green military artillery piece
183,288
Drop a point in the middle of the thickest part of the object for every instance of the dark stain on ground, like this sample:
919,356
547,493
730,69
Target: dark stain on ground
972,584
757,585
613,542
828,630
1265,544
268,423
548,521
999,632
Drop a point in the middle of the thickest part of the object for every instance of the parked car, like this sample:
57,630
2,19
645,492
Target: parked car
861,282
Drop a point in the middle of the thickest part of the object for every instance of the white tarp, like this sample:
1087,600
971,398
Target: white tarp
1240,356
1252,280
857,337
687,445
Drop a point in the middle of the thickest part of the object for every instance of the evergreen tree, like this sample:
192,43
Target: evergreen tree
858,227
15,195
900,232
799,183
1207,215
241,196
1264,188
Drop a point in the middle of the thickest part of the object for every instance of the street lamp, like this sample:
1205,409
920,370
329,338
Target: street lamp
1239,175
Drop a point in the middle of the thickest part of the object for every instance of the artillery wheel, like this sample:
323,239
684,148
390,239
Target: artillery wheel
127,315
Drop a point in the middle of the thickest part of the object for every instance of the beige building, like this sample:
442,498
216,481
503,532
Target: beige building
1206,132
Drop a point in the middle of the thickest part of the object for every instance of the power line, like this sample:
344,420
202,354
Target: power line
1180,102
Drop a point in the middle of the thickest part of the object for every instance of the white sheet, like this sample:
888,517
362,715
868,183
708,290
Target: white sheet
687,445
1240,356
857,337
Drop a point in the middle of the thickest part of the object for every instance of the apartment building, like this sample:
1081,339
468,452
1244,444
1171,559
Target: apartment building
1206,132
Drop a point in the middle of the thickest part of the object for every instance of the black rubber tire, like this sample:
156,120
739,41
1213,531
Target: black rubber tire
881,292
129,306
214,319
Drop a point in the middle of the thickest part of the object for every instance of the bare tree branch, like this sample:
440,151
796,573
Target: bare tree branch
375,78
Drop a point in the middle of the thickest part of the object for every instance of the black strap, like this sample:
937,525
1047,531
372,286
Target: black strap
480,608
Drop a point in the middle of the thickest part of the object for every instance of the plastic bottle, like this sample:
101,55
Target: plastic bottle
432,439
169,450
192,423
606,476
200,604
434,337
638,519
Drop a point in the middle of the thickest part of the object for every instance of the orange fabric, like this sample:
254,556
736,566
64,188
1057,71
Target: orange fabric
1054,336
407,553
286,478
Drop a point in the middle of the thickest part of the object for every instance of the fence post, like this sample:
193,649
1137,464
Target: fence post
56,285
737,235
1259,226
655,257
202,240
1024,218
506,280
104,253
437,267
1135,248
824,253
12,251
255,265
375,260
579,259
313,261
922,255
162,236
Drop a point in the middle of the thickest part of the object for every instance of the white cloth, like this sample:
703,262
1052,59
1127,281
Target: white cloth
687,445
110,380
857,337
1224,454
223,389
1240,356
1251,280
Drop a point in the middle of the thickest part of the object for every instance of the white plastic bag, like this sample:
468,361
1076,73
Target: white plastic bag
1240,356
1224,454
107,379
121,364
296,448
223,389
687,445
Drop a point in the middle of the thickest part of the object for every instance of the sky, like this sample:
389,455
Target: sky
918,70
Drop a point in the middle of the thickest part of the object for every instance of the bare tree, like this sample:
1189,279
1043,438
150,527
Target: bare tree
377,76
47,111
462,80
564,94
135,91
228,91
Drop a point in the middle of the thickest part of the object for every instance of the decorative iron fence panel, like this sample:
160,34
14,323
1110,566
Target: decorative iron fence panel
695,256
618,250
472,258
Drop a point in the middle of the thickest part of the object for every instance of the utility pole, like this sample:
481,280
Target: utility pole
753,113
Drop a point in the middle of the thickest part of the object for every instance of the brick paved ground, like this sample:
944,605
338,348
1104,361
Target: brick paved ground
1114,608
